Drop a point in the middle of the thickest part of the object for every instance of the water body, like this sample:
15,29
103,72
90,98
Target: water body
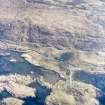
21,66
98,80
101,100
41,93
4,94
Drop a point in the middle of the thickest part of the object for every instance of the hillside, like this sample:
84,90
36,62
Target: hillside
52,52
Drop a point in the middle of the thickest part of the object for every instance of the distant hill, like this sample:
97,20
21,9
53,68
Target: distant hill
54,23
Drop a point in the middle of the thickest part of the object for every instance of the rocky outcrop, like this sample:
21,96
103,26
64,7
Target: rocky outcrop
78,94
62,98
16,86
19,90
12,101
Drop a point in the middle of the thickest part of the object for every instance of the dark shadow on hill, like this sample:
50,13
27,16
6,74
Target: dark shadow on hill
41,93
57,3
